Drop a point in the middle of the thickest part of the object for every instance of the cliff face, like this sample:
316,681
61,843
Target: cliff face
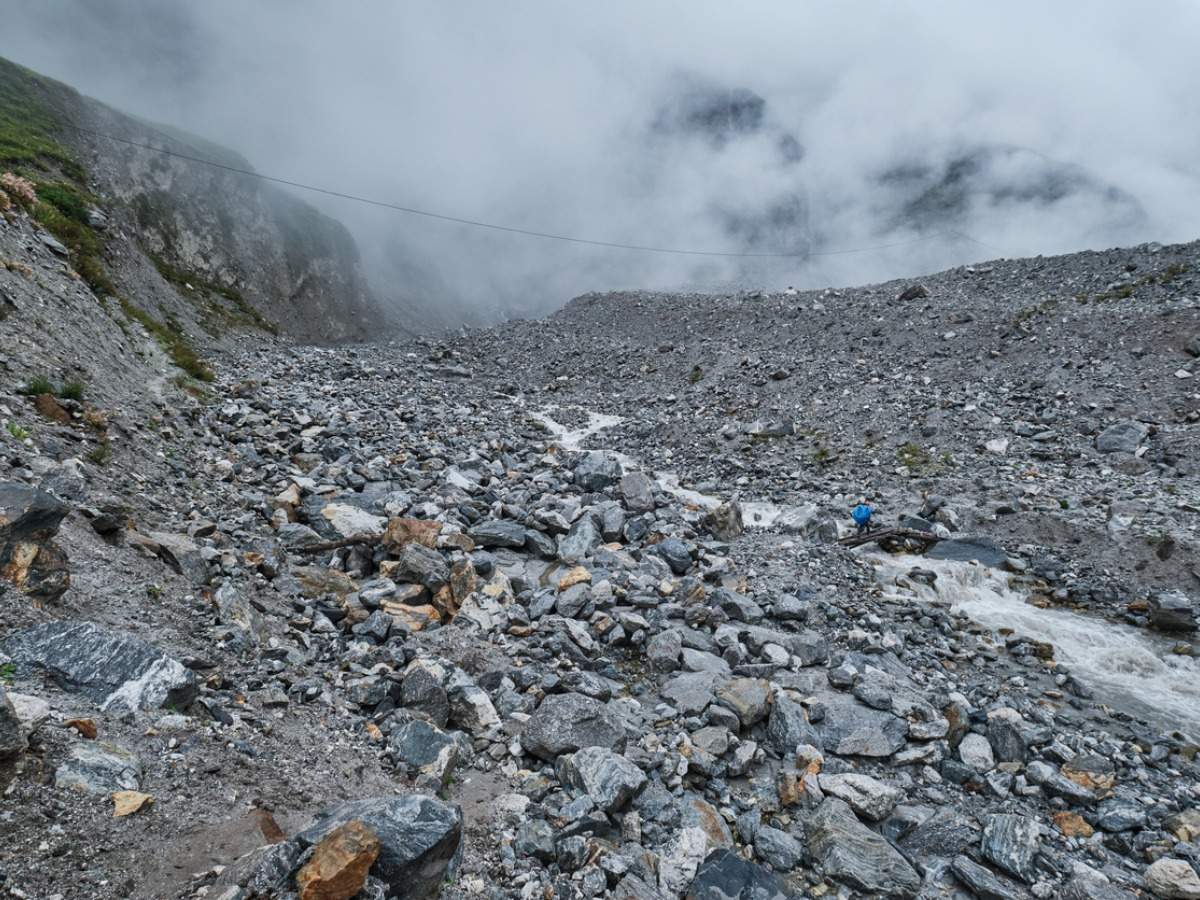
284,262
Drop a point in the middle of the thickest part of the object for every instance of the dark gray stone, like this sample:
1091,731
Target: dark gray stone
610,780
1122,437
115,670
499,533
422,691
981,550
424,749
12,734
1115,815
1056,784
985,883
778,848
788,727
723,875
850,729
597,470
847,850
535,838
421,565
676,554
944,834
29,558
663,650
564,723
580,541
1172,611
419,840
749,698
637,490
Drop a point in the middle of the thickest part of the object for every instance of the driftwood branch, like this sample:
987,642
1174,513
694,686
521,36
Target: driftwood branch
351,541
884,534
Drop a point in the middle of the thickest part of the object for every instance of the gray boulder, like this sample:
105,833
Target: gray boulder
1172,611
676,554
725,521
847,850
981,550
99,768
870,798
564,723
663,650
610,780
115,670
1122,437
425,749
983,882
596,471
788,727
637,490
419,840
580,541
852,729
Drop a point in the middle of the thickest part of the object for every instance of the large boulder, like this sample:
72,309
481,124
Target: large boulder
597,470
981,550
1172,611
419,840
564,723
1122,437
29,558
847,850
115,670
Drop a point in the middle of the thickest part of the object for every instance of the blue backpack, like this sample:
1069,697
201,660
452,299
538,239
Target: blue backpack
861,514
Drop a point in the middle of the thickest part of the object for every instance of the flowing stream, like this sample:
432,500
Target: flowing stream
1125,667
1129,668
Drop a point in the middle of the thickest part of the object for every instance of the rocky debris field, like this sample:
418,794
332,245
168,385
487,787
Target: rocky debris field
558,609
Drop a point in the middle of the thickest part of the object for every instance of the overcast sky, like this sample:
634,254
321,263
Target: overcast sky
1079,119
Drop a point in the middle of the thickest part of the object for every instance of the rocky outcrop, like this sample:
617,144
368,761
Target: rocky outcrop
29,558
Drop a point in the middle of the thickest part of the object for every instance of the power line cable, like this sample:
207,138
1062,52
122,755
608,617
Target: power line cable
475,223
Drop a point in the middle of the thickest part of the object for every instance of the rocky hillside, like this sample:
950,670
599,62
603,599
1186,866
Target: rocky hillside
574,608
173,237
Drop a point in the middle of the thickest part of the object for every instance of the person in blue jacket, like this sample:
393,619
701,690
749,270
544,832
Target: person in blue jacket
862,516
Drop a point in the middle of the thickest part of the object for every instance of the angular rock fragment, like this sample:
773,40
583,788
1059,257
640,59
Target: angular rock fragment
1012,843
99,768
610,780
29,558
419,840
339,865
723,875
115,670
564,723
847,850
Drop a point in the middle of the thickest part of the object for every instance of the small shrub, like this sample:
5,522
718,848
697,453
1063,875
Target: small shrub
19,189
18,433
696,374
100,454
5,203
72,390
37,385
8,672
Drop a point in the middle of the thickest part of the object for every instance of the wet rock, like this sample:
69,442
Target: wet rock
1012,843
1173,879
1121,437
339,864
115,670
99,768
29,558
981,550
610,780
847,850
596,471
723,875
870,798
419,840
564,723
1172,611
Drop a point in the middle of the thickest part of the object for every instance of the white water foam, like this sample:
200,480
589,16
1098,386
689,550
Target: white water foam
1124,666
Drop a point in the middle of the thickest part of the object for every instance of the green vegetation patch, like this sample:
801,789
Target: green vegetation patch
171,338
29,124
235,310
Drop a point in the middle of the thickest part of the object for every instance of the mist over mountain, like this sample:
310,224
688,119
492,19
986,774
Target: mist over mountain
934,134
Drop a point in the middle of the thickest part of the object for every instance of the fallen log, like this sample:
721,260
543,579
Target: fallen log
883,534
326,546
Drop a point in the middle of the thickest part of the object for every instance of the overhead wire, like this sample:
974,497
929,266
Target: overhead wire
510,229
